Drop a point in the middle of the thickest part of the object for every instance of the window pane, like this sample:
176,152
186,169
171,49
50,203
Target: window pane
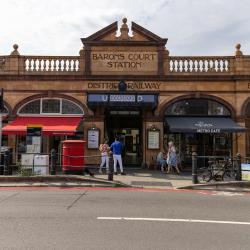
31,108
70,108
50,106
202,107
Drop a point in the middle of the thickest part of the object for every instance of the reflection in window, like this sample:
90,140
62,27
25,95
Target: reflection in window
194,107
69,107
51,106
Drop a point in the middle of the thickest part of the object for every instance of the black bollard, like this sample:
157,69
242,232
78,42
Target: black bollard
194,168
238,160
111,169
53,162
1,163
6,163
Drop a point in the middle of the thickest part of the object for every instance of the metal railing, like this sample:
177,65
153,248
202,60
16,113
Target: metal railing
216,168
29,167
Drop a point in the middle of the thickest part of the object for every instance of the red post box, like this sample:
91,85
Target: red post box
73,155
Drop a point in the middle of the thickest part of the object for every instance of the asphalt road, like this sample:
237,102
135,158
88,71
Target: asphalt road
115,219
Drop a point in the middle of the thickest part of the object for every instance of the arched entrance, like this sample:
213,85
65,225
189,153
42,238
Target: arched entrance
199,125
127,125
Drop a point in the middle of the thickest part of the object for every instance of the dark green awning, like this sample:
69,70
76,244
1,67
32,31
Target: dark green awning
203,125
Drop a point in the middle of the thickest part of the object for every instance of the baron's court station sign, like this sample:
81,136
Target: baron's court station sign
123,61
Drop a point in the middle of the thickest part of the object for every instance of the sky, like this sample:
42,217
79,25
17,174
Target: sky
193,27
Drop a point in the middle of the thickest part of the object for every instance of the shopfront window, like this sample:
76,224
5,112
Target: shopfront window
197,107
204,144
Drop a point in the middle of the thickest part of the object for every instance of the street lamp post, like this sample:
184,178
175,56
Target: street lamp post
238,160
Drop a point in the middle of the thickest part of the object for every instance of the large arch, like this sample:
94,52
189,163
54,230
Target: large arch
245,116
39,96
165,105
245,107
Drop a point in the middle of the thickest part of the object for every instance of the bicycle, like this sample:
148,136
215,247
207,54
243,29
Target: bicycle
217,170
230,172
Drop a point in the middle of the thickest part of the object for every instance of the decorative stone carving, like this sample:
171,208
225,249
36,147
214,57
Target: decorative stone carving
124,30
238,52
15,51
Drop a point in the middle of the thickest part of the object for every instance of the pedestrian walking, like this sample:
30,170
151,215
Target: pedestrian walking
172,158
104,148
116,149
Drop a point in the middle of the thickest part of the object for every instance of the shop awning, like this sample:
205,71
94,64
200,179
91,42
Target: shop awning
50,125
203,125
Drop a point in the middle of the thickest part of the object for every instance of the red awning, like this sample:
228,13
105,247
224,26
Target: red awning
50,125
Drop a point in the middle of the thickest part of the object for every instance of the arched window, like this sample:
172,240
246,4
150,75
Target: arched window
50,106
197,107
5,111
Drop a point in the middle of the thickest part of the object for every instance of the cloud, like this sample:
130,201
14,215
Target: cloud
193,27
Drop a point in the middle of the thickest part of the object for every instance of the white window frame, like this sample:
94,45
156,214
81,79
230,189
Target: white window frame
49,114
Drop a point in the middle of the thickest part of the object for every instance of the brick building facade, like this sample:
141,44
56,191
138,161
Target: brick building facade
132,87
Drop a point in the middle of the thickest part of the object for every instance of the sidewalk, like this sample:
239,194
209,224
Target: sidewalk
156,179
141,178
152,178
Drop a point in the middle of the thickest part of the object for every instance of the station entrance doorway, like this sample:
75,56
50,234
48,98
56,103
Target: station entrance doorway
127,125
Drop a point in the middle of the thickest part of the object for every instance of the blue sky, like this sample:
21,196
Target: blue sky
193,27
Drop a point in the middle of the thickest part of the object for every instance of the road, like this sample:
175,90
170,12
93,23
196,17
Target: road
119,219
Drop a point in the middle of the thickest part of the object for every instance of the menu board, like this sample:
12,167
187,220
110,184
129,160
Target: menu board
93,138
153,139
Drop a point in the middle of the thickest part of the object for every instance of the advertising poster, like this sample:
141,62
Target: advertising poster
153,139
93,139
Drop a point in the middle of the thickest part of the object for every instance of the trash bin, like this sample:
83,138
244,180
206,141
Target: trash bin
73,155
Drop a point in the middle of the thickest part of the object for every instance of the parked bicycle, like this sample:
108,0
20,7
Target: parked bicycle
217,170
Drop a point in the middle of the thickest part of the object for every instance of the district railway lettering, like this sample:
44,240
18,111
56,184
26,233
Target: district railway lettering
130,85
